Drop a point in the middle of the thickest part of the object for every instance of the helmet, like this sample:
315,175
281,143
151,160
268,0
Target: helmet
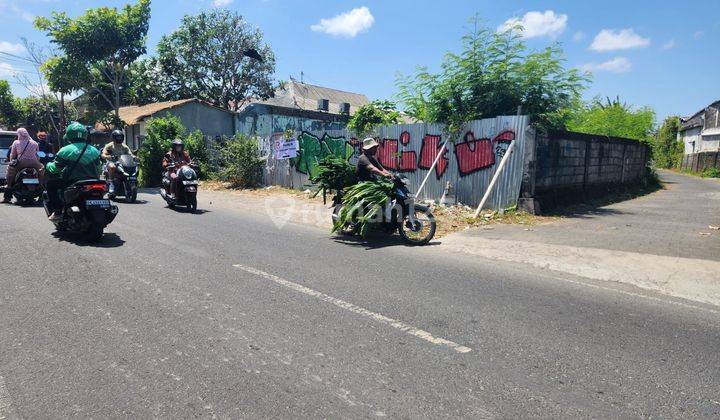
117,135
41,135
76,131
177,142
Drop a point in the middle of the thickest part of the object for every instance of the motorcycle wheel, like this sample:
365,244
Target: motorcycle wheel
131,196
418,229
192,203
348,229
94,233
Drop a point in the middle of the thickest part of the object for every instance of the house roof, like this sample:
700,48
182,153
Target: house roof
297,95
133,114
693,121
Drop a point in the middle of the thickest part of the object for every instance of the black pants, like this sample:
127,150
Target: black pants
54,186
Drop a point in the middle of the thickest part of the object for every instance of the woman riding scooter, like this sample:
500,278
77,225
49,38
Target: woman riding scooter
177,156
23,154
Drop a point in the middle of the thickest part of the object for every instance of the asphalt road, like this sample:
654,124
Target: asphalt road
223,314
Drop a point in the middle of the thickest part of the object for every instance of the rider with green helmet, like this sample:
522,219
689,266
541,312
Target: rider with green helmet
77,161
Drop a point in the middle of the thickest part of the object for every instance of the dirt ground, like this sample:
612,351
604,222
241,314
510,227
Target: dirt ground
450,219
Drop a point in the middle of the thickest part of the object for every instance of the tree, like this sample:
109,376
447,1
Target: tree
8,106
371,115
64,76
160,133
613,118
667,150
103,43
493,74
146,83
43,114
208,58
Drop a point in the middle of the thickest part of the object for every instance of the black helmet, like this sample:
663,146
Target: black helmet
117,135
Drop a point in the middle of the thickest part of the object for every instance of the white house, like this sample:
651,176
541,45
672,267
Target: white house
701,131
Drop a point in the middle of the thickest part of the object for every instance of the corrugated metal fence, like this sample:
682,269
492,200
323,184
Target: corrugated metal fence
467,165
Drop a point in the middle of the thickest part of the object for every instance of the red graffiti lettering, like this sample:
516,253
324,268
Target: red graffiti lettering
404,138
408,162
428,152
474,154
505,136
387,153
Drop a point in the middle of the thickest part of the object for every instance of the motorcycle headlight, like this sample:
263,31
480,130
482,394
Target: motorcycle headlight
187,174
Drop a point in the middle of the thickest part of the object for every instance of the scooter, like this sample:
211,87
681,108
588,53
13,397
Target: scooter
414,222
85,209
27,188
125,183
186,185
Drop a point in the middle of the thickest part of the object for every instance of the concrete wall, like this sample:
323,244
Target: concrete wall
210,120
262,120
691,139
564,166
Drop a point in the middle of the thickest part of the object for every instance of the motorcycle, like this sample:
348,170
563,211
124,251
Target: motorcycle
414,222
125,183
186,185
27,188
85,209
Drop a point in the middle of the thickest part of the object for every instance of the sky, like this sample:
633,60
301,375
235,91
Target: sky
661,54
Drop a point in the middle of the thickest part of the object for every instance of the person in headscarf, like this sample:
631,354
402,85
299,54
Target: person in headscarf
23,154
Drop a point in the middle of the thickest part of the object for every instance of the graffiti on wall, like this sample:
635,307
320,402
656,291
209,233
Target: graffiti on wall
471,154
313,149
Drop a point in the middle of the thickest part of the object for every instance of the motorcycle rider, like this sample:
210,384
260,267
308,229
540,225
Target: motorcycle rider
368,166
111,152
43,143
23,154
77,161
176,155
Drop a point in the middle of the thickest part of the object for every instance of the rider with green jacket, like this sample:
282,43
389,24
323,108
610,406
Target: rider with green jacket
77,161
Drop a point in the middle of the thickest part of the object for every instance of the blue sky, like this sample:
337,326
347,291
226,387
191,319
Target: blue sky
656,53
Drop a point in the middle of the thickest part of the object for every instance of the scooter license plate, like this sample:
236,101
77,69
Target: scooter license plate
103,204
31,181
132,178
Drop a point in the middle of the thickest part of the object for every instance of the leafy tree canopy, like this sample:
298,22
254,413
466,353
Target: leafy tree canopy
493,74
667,150
205,58
369,116
613,118
9,114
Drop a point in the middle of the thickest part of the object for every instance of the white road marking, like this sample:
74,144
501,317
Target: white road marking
6,409
408,329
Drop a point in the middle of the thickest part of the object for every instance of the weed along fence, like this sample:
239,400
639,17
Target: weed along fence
466,164
699,162
563,167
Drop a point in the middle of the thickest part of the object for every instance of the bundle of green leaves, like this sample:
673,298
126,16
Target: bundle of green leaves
362,203
333,174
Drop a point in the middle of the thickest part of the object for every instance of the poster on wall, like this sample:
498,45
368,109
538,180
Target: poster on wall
286,148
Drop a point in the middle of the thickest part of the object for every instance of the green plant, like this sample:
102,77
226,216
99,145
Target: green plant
371,115
613,118
333,174
197,148
362,203
710,173
160,132
241,164
667,150
492,75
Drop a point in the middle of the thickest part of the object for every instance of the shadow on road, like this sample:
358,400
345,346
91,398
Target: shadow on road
183,209
375,240
594,206
109,240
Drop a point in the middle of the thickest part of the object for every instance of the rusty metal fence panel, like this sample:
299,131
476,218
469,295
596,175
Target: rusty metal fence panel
467,166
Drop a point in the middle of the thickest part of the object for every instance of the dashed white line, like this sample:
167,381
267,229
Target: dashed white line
6,408
408,329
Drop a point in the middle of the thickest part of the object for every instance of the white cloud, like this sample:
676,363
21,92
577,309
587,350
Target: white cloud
347,24
578,36
222,3
10,48
669,45
614,65
7,70
611,40
537,24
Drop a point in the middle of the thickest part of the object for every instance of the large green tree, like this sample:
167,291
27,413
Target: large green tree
493,74
210,57
613,118
667,150
101,44
9,112
43,113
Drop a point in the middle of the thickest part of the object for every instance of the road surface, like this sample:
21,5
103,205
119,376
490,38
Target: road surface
180,315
